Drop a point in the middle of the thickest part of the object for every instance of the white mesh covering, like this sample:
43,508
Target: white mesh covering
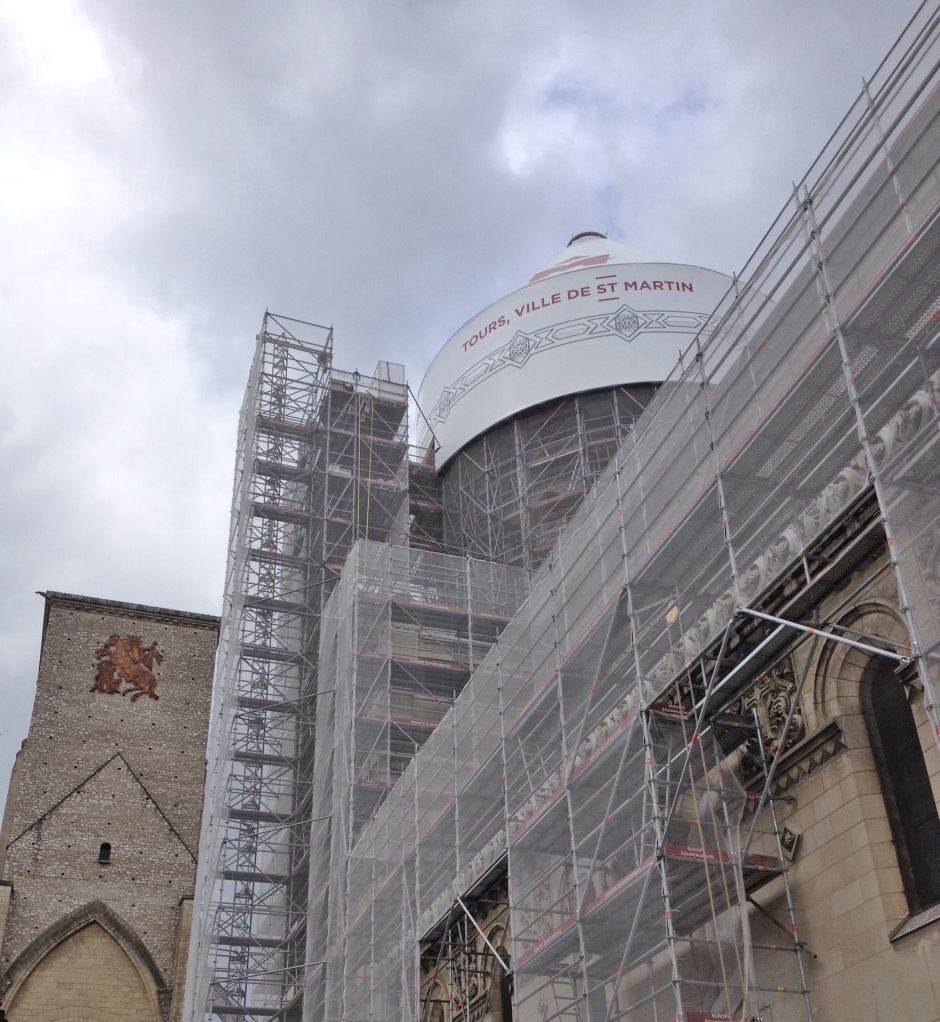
592,750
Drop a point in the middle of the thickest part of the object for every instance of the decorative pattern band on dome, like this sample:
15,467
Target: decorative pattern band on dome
626,323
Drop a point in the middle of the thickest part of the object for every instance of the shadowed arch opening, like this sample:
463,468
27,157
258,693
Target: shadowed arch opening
905,783
500,982
436,1004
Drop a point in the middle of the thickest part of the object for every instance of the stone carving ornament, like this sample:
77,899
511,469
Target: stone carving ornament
886,445
770,700
126,661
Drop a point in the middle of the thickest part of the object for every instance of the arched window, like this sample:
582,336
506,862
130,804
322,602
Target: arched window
500,983
434,1004
905,783
104,852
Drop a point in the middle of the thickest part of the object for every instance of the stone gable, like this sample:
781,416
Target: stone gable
75,727
56,862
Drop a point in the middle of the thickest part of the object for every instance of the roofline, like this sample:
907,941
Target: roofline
88,602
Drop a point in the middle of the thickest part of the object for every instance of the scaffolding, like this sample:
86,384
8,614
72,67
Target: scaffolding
402,634
592,763
425,502
508,494
322,460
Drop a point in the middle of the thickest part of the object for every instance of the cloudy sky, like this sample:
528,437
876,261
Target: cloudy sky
169,170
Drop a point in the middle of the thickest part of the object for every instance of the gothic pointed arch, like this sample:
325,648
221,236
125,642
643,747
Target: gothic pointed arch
94,919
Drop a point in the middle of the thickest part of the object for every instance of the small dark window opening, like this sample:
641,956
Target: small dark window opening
104,852
905,784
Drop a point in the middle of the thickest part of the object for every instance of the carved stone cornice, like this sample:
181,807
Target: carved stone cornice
805,758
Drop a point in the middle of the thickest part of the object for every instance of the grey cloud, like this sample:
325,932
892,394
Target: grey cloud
344,162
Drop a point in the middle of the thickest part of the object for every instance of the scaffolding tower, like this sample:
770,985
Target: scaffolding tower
322,460
593,762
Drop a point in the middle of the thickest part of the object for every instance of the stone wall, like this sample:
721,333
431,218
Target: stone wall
91,977
867,955
103,824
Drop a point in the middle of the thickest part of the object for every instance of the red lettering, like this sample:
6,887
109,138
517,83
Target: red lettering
556,299
657,285
570,264
629,285
492,327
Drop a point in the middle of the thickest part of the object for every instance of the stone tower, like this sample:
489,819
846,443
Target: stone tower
101,830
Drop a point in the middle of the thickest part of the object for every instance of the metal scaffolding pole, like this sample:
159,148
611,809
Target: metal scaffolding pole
606,726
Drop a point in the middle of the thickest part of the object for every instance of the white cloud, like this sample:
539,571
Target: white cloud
54,41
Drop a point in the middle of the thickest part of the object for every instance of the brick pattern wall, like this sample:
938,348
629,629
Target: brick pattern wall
100,768
88,976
